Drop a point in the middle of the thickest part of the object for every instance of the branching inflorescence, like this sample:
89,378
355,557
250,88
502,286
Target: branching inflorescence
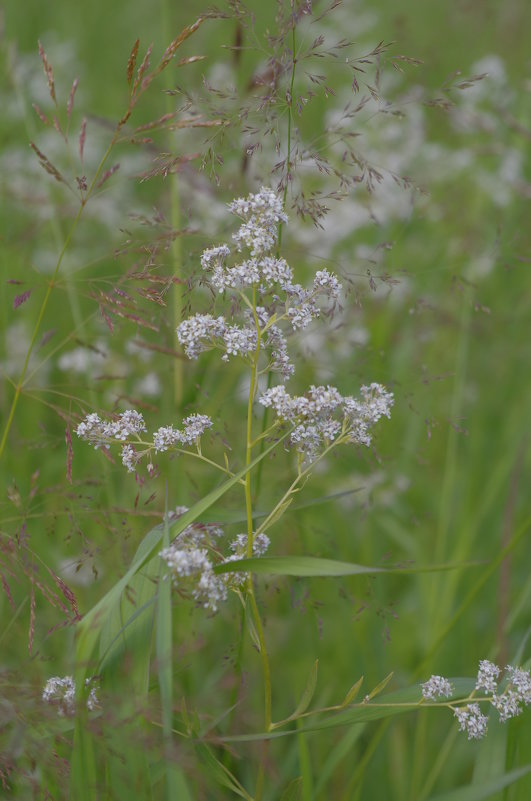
508,702
266,305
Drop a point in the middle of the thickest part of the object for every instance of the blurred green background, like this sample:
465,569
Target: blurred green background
437,308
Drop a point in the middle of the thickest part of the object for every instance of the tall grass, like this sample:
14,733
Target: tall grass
387,564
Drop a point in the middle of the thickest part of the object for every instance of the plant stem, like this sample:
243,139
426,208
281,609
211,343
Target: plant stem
249,512
175,218
265,416
290,114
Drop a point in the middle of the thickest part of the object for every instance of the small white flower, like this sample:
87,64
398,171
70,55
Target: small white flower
436,687
261,214
487,676
239,341
194,426
206,588
129,458
507,705
521,681
198,333
328,283
471,719
166,437
61,692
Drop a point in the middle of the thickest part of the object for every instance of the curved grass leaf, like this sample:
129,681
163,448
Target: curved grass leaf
317,567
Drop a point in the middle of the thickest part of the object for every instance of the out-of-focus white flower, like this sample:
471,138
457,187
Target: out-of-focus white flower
61,692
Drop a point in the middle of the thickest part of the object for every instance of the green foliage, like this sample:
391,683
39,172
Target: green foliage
398,561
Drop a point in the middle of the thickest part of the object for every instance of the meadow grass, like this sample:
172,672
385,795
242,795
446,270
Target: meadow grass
436,308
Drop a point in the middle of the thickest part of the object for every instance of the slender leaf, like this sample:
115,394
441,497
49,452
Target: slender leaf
313,566
306,696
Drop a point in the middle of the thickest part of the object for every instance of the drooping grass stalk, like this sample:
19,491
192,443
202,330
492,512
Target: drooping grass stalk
51,284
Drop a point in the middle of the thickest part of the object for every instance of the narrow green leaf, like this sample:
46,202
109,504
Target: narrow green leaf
352,693
306,696
317,567
379,687
309,691
479,792
278,514
220,773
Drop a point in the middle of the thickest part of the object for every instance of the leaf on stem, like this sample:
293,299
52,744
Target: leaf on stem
380,687
352,693
306,696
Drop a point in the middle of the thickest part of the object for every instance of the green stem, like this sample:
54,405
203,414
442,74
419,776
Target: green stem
249,512
265,416
175,218
290,114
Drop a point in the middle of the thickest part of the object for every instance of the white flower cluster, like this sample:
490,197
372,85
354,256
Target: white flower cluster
193,554
436,687
99,432
193,427
61,692
323,414
507,703
261,214
261,543
472,720
102,433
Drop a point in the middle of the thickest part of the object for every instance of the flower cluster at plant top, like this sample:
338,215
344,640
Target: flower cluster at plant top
271,277
61,692
508,703
323,415
193,554
130,423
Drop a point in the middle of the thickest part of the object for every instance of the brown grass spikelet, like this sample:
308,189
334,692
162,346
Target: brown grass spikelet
132,61
82,137
143,68
40,114
177,42
48,71
70,103
50,168
106,175
7,591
